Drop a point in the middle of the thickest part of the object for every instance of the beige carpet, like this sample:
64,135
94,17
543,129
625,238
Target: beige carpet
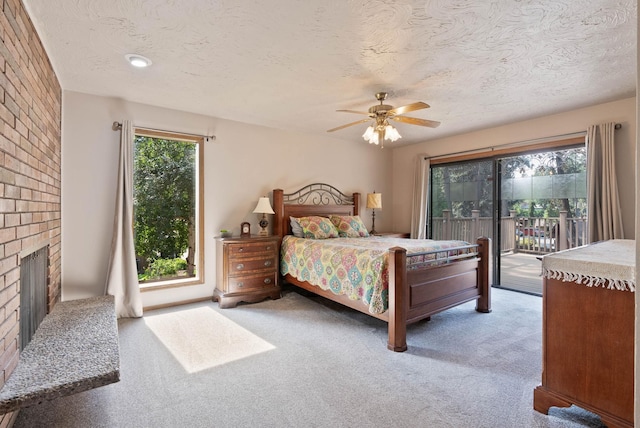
305,362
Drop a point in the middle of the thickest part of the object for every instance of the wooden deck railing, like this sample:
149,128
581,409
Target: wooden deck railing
518,234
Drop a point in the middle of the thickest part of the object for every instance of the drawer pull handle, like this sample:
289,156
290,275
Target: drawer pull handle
268,247
240,249
240,284
267,263
267,280
240,266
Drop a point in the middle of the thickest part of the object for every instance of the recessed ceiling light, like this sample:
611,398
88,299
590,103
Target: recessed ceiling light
138,60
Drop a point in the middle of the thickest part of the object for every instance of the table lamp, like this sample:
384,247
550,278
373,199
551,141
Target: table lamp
374,201
264,208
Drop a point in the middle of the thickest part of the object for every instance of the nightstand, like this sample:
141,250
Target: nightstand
247,270
393,234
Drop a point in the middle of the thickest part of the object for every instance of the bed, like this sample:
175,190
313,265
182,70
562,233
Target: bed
416,283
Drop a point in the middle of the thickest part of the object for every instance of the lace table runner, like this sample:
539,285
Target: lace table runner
606,263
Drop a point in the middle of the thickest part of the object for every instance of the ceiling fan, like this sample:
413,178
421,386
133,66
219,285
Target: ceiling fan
381,114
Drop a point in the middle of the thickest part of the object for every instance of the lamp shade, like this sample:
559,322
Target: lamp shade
264,206
374,200
368,134
391,133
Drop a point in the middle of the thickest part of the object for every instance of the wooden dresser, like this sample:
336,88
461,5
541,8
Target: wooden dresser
588,331
247,270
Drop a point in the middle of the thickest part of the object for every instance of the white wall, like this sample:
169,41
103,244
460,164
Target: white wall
623,111
244,163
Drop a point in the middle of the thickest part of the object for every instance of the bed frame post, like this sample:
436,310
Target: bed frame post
278,207
398,299
483,304
356,203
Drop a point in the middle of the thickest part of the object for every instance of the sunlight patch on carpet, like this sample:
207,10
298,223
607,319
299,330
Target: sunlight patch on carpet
202,338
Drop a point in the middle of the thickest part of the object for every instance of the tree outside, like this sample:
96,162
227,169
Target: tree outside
462,188
534,188
164,207
533,185
540,185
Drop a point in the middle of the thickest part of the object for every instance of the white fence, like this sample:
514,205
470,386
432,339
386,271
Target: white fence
518,234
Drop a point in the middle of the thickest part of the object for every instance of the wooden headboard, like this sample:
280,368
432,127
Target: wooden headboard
314,199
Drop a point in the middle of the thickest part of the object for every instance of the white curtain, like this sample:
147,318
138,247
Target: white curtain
122,276
603,205
420,197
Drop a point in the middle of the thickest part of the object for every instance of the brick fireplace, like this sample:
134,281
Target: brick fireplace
30,171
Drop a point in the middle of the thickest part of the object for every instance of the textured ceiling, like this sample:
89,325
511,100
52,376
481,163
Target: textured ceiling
290,64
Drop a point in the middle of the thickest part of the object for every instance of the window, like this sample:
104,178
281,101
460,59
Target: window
167,198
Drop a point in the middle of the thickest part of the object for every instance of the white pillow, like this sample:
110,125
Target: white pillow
296,229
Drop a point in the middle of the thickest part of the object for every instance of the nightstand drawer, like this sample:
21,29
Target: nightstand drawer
244,283
252,248
238,265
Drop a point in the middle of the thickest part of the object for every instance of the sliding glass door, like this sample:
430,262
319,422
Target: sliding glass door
462,200
529,204
543,209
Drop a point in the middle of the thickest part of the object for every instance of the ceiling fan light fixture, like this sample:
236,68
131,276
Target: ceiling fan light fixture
391,133
380,129
369,134
376,135
138,61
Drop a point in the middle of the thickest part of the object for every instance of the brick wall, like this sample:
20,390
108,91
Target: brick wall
30,150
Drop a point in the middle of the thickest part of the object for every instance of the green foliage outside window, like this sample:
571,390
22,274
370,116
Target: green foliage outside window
468,186
162,268
165,204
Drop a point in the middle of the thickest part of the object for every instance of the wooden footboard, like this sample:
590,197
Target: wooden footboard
415,294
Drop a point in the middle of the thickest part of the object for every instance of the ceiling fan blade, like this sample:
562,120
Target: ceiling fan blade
349,124
416,121
354,111
409,107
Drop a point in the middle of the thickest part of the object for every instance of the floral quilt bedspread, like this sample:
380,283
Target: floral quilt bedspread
357,267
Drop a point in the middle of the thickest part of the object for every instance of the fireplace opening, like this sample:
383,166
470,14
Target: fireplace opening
34,279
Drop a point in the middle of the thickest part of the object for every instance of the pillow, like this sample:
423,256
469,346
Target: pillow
350,226
315,227
296,229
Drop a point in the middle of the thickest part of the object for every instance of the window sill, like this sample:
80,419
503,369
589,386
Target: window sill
173,283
